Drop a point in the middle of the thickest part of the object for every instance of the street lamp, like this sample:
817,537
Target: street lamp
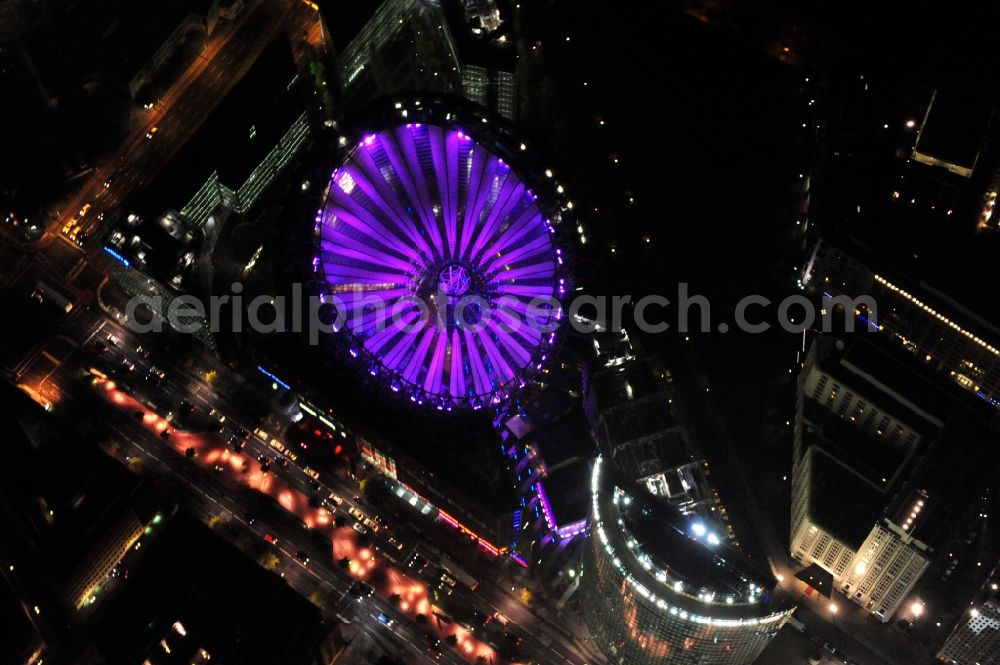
917,608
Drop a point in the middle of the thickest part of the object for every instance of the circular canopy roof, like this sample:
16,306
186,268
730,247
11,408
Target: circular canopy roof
442,265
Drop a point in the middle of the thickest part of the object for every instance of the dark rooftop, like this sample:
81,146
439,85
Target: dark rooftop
647,418
78,485
867,456
617,386
568,492
565,440
892,212
227,605
21,637
85,39
955,128
666,449
864,364
840,502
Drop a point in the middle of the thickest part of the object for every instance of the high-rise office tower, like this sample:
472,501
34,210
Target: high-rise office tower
659,587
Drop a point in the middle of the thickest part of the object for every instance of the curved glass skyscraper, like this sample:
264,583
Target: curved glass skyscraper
659,588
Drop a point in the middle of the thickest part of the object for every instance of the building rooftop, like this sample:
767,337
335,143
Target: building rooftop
236,136
566,440
892,384
116,37
225,604
660,451
912,220
568,492
953,131
643,419
618,386
841,502
676,559
875,460
22,638
80,485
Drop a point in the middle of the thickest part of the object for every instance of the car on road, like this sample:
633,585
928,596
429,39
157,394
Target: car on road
832,650
237,443
477,622
434,653
359,591
418,562
796,625
100,346
385,619
302,557
360,528
218,468
152,131
128,364
271,538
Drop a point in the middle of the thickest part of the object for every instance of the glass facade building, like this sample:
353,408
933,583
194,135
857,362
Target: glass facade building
658,589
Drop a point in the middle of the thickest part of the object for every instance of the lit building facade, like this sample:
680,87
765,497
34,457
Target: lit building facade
976,641
490,87
885,569
120,536
406,45
934,328
855,503
678,598
627,398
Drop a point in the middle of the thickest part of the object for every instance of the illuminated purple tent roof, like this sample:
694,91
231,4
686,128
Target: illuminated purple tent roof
433,248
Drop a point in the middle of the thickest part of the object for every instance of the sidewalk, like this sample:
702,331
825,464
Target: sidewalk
883,640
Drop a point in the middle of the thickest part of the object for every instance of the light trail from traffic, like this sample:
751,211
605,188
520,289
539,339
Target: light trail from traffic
364,564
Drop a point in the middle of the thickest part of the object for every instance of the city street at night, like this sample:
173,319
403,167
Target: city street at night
499,333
